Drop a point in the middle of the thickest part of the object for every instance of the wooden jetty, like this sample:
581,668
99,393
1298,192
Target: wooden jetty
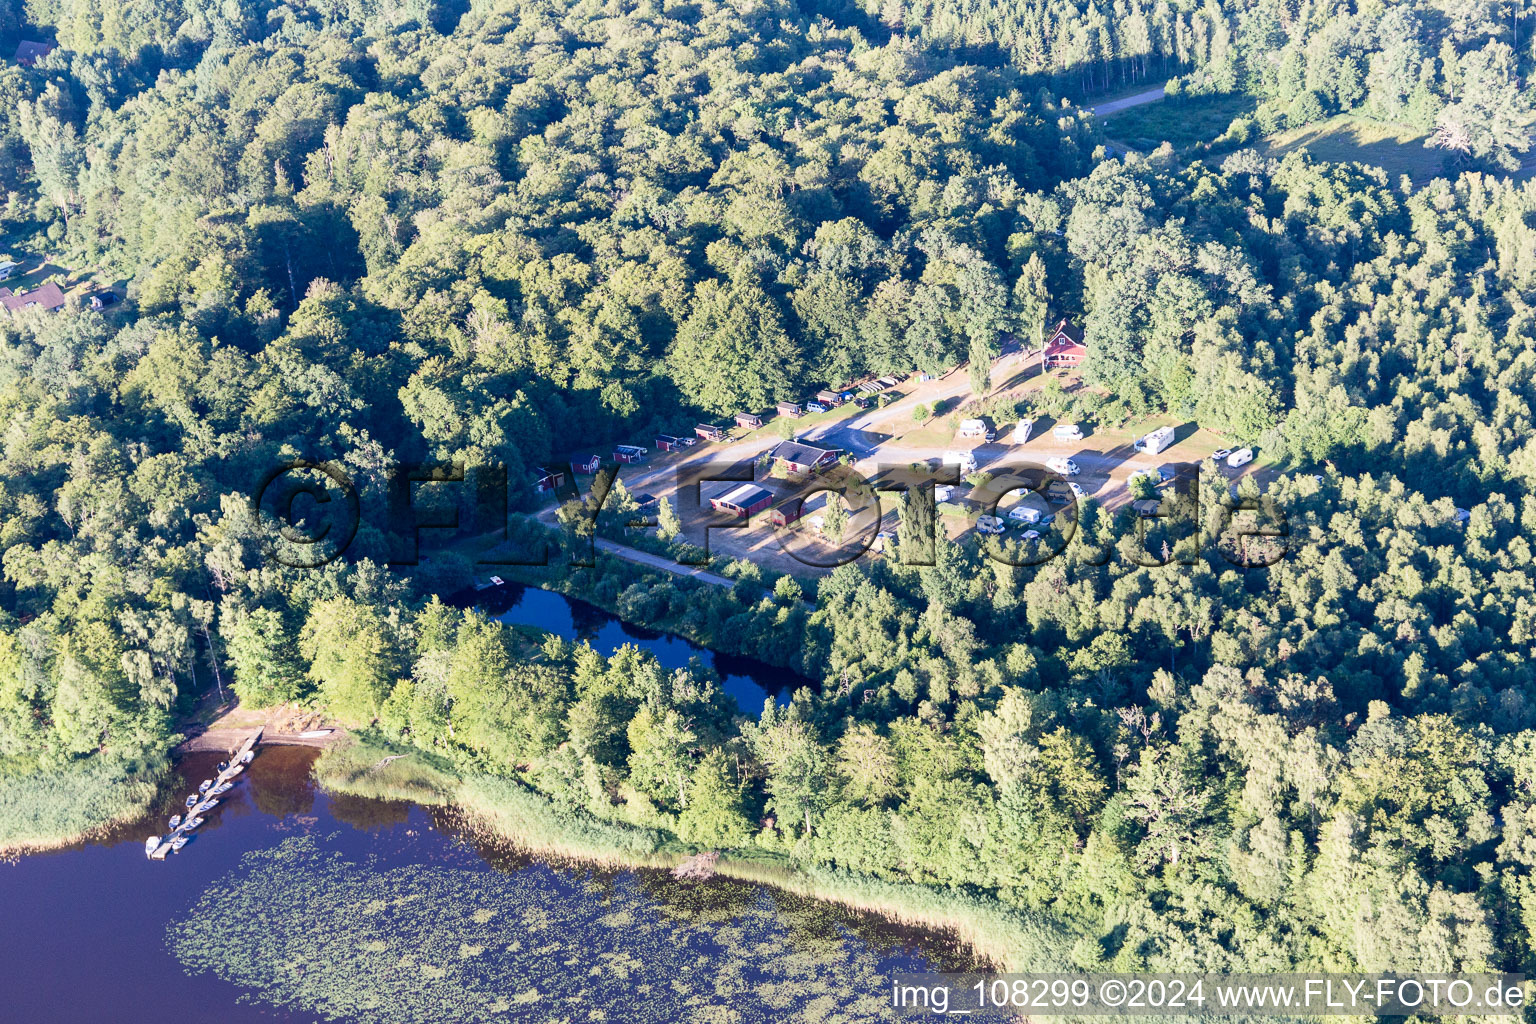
203,801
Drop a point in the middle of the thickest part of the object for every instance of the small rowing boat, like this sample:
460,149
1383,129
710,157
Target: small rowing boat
178,842
191,823
205,806
221,789
248,757
175,820
191,799
205,785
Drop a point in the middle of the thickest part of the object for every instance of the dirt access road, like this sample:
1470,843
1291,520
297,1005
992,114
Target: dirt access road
1126,102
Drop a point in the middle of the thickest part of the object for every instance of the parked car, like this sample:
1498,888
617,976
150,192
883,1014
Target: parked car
1077,490
815,407
1067,432
1031,535
1066,467
942,492
989,524
1154,475
1220,454
990,435
862,402
1241,457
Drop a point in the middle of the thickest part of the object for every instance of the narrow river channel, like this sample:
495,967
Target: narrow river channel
748,680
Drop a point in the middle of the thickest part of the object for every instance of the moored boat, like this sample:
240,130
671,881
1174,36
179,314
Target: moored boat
232,771
248,757
191,799
191,823
151,845
205,806
175,820
178,842
221,789
205,785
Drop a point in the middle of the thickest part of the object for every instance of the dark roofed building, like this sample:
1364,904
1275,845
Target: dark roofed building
802,458
29,52
49,298
545,480
1065,348
744,501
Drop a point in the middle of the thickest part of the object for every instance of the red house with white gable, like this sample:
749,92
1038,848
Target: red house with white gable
1065,349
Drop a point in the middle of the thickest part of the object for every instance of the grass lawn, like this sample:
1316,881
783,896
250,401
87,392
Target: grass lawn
1344,138
1181,121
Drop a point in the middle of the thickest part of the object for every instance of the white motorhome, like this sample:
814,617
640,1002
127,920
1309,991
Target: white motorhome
989,524
973,428
965,460
1156,441
1067,432
1022,431
1066,467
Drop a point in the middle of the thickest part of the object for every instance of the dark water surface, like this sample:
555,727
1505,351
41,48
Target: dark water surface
748,680
86,932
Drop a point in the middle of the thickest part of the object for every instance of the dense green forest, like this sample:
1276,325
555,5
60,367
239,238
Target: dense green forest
376,232
1454,66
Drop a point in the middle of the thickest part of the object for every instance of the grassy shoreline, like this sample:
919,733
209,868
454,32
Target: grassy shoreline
506,811
39,813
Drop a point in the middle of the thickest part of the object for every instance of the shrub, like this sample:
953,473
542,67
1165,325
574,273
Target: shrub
1305,109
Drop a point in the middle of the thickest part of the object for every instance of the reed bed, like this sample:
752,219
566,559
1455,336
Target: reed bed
508,813
50,809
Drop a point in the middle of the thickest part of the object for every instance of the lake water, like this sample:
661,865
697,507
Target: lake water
292,905
746,679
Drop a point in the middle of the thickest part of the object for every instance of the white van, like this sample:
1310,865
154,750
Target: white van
941,492
989,524
1067,432
1241,457
1066,467
965,460
1156,441
1022,431
972,428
